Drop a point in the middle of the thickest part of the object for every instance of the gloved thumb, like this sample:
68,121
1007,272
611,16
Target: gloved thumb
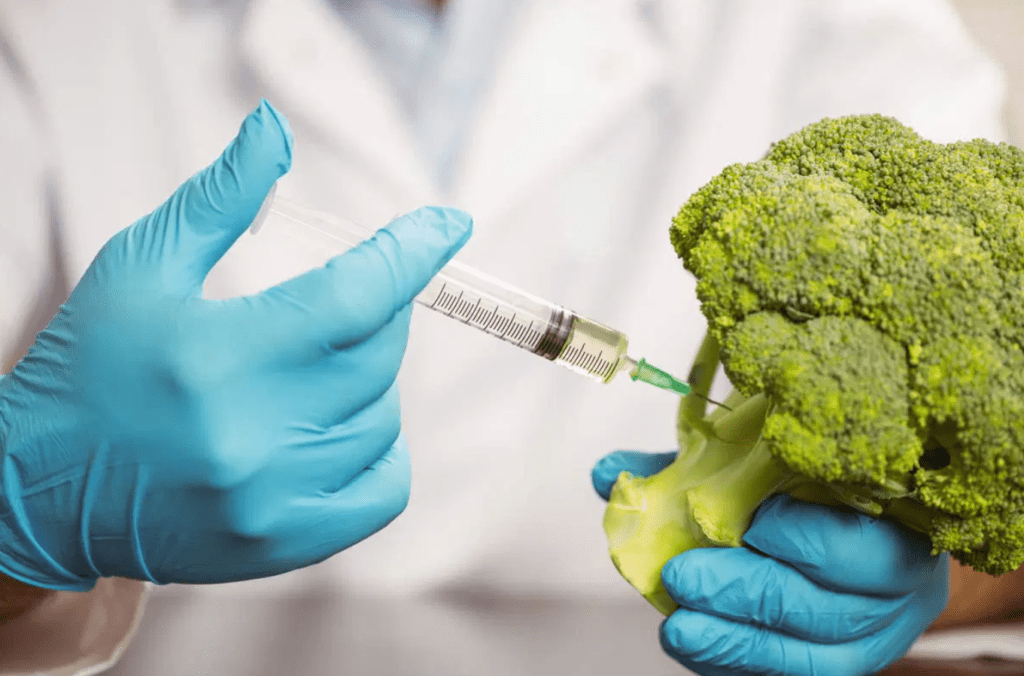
637,463
193,229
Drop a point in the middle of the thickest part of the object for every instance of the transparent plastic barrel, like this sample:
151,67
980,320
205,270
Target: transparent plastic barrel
476,299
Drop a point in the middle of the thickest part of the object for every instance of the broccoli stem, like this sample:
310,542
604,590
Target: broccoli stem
743,425
643,534
723,505
911,514
701,376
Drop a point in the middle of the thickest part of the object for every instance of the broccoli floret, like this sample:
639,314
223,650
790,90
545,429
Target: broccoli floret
864,290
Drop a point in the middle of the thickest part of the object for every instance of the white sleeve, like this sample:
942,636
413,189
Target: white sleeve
26,266
70,633
911,59
73,633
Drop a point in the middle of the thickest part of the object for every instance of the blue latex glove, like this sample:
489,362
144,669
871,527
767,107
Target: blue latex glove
156,435
815,591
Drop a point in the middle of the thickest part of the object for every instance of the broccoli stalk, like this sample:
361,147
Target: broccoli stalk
864,291
706,497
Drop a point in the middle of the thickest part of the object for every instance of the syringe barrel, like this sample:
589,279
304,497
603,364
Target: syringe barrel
485,303
478,300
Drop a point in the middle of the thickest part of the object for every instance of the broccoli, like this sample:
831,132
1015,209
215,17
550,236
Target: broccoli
864,291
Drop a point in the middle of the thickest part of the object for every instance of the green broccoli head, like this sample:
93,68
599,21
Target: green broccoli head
868,285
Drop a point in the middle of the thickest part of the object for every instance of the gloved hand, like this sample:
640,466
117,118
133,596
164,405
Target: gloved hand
815,590
156,435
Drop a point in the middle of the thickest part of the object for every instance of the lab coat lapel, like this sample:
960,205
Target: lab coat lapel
572,68
305,54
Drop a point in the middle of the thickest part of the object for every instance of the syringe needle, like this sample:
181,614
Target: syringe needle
648,373
710,400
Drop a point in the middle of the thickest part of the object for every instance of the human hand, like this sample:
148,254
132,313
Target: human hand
815,590
17,598
153,434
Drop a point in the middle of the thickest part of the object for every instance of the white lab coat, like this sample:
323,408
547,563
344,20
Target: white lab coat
603,116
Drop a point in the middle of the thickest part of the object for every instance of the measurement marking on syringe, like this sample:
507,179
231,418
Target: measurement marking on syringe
440,296
479,310
495,323
509,325
593,363
521,333
471,311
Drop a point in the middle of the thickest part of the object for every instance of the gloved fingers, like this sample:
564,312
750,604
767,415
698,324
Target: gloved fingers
707,644
843,551
287,516
193,229
325,387
637,463
392,267
373,499
370,370
355,294
741,585
711,645
323,491
327,459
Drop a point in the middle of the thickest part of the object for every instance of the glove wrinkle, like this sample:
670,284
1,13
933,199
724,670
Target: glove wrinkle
92,486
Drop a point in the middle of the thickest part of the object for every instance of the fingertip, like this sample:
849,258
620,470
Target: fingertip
668,637
265,141
606,471
604,475
672,572
205,216
265,113
456,224
683,633
441,231
225,198
413,248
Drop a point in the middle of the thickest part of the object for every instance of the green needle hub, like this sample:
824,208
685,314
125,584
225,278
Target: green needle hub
653,375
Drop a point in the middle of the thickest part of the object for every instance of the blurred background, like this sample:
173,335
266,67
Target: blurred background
470,634
998,25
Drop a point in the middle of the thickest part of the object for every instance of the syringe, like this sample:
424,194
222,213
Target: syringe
494,307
